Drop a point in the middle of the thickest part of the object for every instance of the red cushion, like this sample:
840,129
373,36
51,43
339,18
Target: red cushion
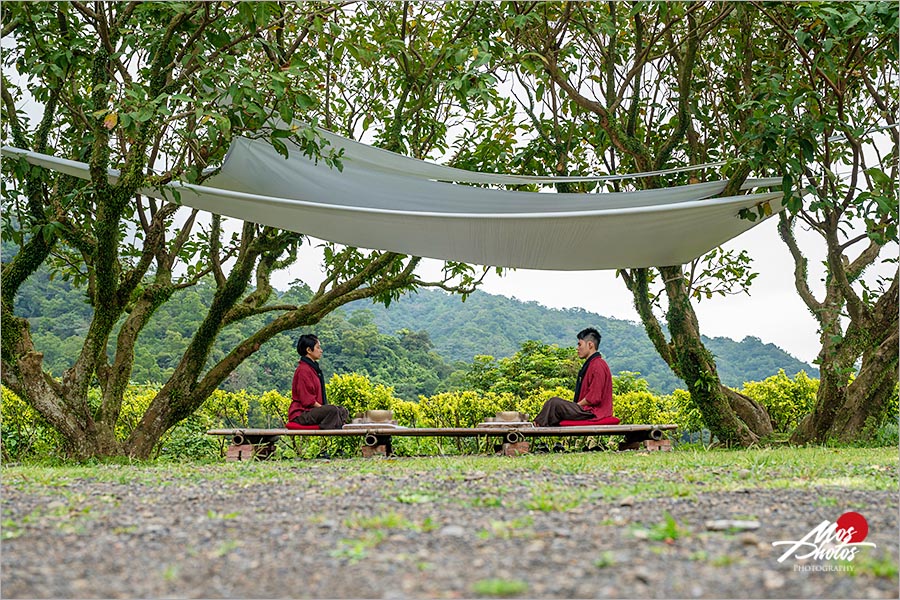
603,421
292,425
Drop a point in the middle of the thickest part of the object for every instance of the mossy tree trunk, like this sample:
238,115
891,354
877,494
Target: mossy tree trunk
842,87
732,417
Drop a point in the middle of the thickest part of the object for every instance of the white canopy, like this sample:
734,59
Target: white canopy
377,159
378,203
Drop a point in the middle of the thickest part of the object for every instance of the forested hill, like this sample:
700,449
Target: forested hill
422,344
496,325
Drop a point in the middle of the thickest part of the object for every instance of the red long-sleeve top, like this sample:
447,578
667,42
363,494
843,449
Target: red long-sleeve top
596,388
306,390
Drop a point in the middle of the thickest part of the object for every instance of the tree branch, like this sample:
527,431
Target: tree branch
308,314
838,270
214,248
865,258
118,375
620,140
685,71
638,283
786,231
12,118
790,35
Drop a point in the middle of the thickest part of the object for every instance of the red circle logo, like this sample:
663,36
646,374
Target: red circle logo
856,521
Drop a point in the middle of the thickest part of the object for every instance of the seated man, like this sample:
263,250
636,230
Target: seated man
308,403
593,388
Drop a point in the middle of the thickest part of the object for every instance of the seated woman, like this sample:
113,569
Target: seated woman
593,388
308,403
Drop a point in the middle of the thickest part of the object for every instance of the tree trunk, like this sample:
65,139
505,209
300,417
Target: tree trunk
167,409
96,441
748,410
734,419
849,412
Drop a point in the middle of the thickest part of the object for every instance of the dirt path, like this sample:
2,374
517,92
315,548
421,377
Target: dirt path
317,530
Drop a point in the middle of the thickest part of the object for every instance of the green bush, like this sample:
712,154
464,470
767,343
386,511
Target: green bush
406,413
463,409
136,400
532,404
686,414
188,441
887,435
24,434
787,401
629,381
228,409
357,394
535,366
273,409
642,407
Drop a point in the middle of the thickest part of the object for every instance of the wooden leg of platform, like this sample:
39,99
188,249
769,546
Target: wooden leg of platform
381,447
244,452
239,452
515,448
658,445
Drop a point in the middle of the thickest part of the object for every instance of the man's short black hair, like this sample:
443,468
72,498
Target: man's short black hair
306,342
591,335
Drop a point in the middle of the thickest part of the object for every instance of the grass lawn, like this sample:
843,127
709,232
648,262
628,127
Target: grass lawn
681,472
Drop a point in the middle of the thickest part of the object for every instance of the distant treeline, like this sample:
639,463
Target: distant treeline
425,343
498,326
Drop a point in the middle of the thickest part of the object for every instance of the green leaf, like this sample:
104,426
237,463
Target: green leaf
879,176
279,146
305,101
175,196
807,148
245,12
286,112
787,183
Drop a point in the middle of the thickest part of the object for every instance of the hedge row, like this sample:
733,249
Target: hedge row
26,436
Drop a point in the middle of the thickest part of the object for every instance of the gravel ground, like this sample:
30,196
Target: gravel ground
330,529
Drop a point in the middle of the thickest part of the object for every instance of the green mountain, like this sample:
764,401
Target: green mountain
496,325
419,345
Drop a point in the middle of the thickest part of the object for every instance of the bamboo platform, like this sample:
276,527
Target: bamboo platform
376,437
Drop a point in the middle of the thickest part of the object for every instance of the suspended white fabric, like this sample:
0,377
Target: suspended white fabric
255,167
377,159
387,211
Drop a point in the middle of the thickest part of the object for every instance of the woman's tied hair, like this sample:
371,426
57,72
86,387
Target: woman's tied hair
306,342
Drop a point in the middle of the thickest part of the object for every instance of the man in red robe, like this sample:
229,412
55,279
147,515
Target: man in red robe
593,388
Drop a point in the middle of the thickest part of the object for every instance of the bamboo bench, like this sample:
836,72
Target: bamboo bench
248,443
